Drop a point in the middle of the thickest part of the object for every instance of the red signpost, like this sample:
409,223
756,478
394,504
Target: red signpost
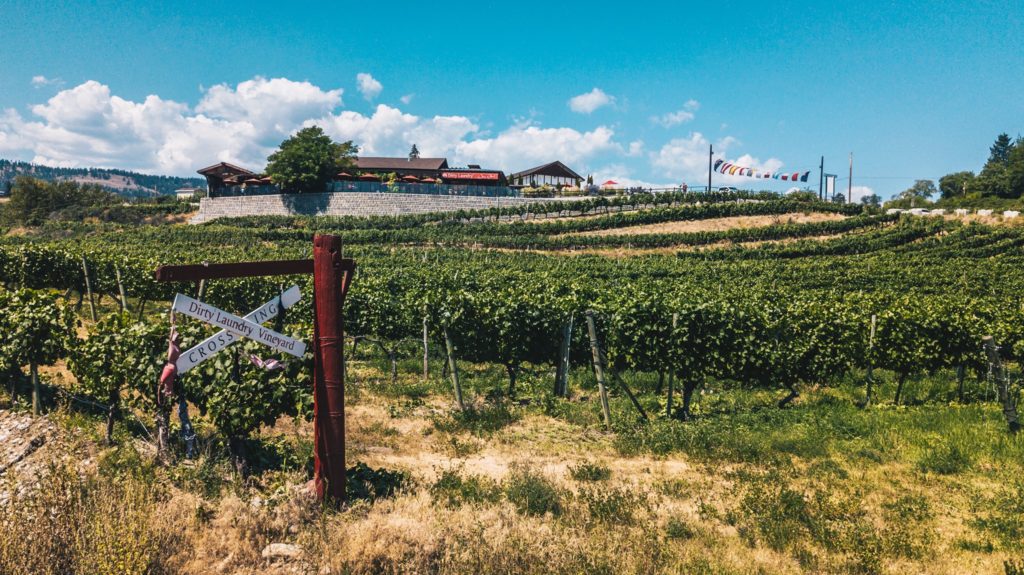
332,275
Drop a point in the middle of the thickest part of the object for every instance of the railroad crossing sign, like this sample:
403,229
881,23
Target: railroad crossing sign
332,275
221,340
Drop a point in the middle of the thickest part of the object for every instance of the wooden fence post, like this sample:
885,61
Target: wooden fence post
454,369
598,369
37,400
562,372
1002,384
120,289
871,346
671,373
88,290
426,348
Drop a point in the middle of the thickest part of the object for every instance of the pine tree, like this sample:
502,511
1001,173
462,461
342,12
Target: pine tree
414,153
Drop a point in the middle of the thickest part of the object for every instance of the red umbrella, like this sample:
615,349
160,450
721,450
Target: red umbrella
429,181
252,181
610,183
343,175
266,180
368,177
410,179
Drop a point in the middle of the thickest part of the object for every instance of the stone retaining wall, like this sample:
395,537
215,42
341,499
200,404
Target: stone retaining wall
347,204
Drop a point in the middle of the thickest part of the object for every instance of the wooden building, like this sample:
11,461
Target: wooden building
554,174
432,168
222,175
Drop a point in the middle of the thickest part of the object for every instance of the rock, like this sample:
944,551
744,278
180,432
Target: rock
282,551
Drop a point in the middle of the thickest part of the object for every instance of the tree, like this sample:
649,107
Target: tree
308,160
955,184
39,329
922,189
1015,171
873,200
120,355
33,201
999,152
414,153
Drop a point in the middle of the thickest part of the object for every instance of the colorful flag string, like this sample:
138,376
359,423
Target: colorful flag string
731,169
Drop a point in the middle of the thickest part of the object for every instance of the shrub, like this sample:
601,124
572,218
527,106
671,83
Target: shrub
587,471
620,506
532,493
677,528
370,484
945,459
453,489
480,421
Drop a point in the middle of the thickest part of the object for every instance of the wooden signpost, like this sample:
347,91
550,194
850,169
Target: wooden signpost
332,275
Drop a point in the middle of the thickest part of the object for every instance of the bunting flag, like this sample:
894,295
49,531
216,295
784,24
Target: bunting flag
731,169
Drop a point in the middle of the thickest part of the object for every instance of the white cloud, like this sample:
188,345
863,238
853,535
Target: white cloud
406,99
521,147
682,116
88,125
687,159
590,101
41,81
369,87
389,131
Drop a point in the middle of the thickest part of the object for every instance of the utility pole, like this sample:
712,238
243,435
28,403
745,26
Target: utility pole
849,193
711,155
821,179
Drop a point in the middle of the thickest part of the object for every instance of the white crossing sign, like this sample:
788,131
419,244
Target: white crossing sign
219,341
238,326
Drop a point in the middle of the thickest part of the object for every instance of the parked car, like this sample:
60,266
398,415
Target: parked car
728,190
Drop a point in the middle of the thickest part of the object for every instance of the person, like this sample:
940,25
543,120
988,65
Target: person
685,187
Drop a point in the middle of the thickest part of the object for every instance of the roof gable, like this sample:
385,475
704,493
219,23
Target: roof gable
556,169
379,163
224,169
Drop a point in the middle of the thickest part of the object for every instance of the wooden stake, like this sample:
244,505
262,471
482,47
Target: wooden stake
671,373
454,369
871,346
36,391
120,289
88,290
1002,384
598,368
562,372
426,348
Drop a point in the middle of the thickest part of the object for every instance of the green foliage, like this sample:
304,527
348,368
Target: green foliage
368,484
480,421
121,354
589,471
308,160
453,489
955,184
37,328
532,493
34,201
613,505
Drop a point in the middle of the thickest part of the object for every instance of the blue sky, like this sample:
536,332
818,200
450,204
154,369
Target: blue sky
632,92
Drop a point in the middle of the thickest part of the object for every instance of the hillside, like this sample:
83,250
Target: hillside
126,183
787,388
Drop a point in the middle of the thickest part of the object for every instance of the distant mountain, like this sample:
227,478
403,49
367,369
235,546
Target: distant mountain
123,182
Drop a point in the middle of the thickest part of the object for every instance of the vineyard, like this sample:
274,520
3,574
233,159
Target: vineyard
530,396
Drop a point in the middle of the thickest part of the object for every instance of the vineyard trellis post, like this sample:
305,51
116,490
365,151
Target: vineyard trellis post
671,372
454,369
1002,381
332,275
598,369
562,372
426,347
871,361
88,290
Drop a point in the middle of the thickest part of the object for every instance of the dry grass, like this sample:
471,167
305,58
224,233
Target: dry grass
718,224
648,514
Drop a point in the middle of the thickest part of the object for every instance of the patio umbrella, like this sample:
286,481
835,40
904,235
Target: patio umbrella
410,179
252,182
266,180
369,177
343,176
609,184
